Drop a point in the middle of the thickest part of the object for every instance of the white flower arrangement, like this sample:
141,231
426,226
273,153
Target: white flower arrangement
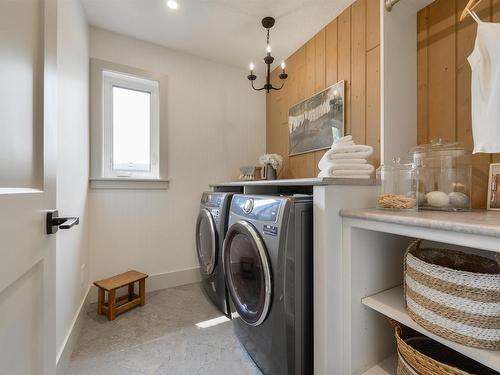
274,160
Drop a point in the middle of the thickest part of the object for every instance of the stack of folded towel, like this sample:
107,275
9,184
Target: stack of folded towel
347,160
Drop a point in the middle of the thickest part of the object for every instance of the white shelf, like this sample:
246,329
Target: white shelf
391,304
386,367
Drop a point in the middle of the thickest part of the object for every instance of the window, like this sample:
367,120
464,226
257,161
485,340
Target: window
130,126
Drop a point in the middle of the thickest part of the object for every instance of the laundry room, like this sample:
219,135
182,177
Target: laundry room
250,187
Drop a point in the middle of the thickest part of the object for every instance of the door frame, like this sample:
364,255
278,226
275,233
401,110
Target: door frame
50,174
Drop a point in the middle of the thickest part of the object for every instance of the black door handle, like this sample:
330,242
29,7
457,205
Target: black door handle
54,222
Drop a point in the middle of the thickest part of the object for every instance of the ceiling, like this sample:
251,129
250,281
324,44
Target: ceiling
226,31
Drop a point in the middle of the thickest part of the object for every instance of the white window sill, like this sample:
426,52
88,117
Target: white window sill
129,183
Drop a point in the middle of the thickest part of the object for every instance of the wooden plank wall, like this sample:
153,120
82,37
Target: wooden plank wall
348,48
444,76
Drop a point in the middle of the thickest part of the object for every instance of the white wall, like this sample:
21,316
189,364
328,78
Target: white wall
72,163
216,124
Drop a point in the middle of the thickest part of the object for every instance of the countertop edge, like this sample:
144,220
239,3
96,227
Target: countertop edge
426,220
300,182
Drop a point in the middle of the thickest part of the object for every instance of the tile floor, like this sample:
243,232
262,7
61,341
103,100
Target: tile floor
161,338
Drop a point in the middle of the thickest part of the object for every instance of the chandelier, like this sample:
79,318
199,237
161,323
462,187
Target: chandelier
268,22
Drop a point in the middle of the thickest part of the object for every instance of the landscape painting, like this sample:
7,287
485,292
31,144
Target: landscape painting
316,122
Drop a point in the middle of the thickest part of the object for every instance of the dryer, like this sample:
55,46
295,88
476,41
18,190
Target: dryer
211,226
268,259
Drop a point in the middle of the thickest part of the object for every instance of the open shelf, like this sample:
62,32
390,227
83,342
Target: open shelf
386,367
391,304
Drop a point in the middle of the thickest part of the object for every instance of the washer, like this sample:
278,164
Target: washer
211,226
267,259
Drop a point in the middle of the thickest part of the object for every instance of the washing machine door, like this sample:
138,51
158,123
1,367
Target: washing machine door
206,242
248,272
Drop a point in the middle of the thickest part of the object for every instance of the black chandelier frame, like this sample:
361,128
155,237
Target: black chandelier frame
268,23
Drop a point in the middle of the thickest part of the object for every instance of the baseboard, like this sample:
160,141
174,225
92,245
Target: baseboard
163,280
64,355
170,279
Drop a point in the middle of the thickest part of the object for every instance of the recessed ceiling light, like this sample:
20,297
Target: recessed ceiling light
172,4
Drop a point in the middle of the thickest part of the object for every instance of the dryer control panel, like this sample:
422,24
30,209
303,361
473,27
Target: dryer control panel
261,209
214,203
212,199
215,214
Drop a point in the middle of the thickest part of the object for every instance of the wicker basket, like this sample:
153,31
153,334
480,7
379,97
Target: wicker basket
420,355
454,295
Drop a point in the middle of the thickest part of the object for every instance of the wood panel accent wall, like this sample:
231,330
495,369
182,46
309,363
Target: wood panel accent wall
348,48
444,80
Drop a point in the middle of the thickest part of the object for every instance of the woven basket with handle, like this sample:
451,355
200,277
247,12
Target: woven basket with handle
420,355
454,295
412,362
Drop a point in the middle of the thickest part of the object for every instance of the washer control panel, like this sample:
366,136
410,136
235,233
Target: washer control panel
248,206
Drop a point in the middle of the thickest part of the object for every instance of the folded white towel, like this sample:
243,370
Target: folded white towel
364,168
357,157
348,161
324,163
342,149
347,140
325,174
348,169
360,154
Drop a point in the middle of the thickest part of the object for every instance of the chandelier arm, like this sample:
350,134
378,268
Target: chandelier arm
262,88
279,88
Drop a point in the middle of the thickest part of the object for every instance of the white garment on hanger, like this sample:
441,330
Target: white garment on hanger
485,63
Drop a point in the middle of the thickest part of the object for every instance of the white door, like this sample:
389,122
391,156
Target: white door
27,186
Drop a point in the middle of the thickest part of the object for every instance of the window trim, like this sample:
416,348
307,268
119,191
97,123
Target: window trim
99,140
110,80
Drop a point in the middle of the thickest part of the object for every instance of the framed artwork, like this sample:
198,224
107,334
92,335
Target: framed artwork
316,122
494,187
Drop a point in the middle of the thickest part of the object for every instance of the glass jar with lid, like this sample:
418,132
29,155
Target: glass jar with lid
398,186
444,176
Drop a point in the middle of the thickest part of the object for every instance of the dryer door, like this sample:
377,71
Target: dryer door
206,242
248,272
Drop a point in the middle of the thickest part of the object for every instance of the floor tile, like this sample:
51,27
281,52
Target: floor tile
161,338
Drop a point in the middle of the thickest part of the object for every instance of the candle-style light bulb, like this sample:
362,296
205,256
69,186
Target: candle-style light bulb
268,49
251,66
283,65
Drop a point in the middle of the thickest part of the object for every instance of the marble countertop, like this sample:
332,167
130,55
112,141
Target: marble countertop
480,222
300,182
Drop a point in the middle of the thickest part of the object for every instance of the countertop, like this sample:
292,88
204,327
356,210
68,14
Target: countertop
300,182
480,222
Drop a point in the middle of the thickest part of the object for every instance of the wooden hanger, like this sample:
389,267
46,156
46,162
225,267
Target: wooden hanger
470,5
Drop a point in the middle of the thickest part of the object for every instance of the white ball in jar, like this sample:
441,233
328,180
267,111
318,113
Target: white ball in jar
437,199
458,199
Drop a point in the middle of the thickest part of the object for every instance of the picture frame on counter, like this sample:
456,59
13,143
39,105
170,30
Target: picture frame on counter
316,122
494,187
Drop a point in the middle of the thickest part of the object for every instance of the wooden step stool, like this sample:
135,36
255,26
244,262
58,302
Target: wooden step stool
112,308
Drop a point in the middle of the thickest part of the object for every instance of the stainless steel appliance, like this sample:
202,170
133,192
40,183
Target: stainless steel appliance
267,259
211,226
